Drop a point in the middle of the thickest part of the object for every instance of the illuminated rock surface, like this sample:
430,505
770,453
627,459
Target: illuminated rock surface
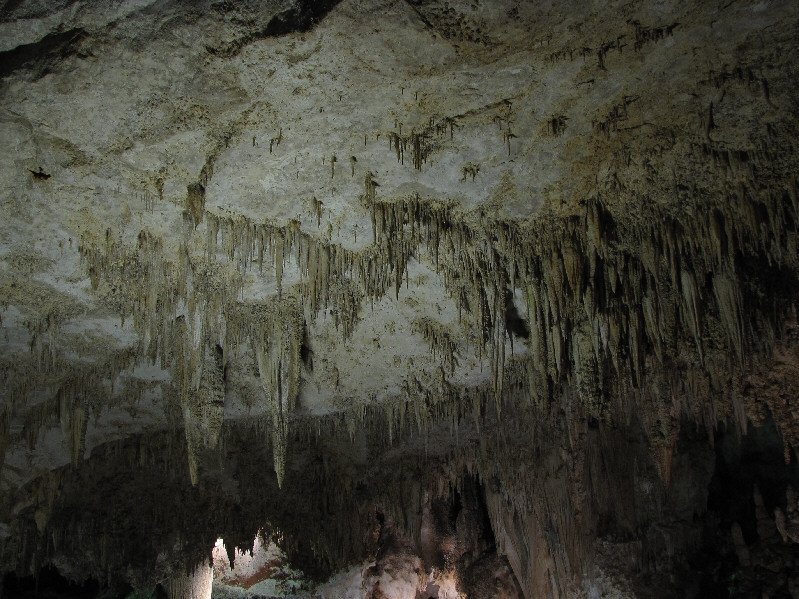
477,299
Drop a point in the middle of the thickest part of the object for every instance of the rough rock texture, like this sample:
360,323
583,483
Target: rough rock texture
322,268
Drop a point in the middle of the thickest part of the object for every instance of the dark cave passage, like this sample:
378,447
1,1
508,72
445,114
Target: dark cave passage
744,552
49,583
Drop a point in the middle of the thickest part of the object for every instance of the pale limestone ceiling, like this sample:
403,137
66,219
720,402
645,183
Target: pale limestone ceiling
399,173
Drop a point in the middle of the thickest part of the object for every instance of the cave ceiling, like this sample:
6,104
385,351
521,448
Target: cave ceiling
368,246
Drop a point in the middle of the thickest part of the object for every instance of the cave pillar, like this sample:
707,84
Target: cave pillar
196,585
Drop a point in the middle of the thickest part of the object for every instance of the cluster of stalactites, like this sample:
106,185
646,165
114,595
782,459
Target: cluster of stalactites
462,252
204,407
607,289
138,282
614,292
197,322
441,339
69,394
276,334
605,292
326,269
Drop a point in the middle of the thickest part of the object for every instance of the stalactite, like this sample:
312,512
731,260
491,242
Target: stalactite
195,202
691,308
203,408
440,339
730,305
276,334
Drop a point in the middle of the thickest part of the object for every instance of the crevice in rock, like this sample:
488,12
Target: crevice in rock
301,17
40,56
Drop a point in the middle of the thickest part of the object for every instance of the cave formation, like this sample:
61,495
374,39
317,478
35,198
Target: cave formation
536,336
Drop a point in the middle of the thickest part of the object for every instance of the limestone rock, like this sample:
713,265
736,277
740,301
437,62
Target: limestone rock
554,293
